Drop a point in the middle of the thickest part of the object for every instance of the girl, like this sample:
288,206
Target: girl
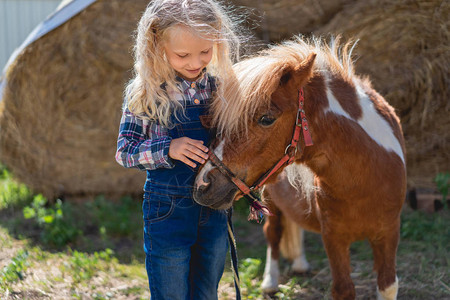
182,49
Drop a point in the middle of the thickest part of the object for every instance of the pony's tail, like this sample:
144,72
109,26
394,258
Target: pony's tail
290,239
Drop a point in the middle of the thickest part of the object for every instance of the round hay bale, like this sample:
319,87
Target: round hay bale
404,46
277,20
61,105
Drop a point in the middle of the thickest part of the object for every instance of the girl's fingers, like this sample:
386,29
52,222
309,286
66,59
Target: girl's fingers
198,152
196,157
187,161
198,144
188,151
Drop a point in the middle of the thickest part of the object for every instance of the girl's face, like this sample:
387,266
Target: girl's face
187,52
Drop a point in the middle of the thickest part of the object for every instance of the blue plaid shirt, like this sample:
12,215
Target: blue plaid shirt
144,144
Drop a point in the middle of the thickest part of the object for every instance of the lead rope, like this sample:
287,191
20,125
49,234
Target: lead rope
233,253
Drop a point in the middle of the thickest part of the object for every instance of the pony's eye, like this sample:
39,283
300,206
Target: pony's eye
266,120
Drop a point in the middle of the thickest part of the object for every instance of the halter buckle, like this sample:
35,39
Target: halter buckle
288,148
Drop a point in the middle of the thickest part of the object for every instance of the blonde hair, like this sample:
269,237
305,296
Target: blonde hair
146,93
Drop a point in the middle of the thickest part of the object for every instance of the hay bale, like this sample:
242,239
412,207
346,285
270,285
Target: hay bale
277,20
404,46
61,105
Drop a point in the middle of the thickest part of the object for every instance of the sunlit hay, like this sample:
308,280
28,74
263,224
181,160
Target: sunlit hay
277,20
404,47
62,105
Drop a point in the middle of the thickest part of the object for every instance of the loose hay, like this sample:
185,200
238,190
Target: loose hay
404,46
62,105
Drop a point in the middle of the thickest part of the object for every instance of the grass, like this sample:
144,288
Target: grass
15,270
64,250
423,263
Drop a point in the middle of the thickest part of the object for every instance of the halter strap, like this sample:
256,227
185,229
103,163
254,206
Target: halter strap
250,193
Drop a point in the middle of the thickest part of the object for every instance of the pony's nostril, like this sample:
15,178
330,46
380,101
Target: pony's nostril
202,189
207,178
202,182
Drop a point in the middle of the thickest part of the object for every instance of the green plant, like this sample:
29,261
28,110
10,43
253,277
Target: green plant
442,181
250,269
121,218
83,266
16,269
287,291
12,194
57,227
417,226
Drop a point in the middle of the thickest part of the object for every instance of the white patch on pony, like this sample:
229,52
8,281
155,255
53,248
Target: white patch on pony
271,273
219,149
300,264
389,293
335,107
377,127
372,123
200,181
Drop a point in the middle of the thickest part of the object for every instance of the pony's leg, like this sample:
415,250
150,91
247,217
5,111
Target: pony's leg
338,252
271,273
273,231
384,252
300,264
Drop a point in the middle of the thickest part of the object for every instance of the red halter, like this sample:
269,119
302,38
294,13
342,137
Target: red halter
301,125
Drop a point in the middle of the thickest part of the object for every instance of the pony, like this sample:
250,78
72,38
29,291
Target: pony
324,148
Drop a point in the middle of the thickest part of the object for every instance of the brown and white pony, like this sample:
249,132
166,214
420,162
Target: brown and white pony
348,186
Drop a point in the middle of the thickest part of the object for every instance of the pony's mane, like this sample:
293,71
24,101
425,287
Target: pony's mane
259,76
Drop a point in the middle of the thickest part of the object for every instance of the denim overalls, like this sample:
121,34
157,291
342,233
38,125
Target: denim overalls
185,243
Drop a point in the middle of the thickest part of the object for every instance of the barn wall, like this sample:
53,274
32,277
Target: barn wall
17,19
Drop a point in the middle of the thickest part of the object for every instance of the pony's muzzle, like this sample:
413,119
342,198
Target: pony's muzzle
213,189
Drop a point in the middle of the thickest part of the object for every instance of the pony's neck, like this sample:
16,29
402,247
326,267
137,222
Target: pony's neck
344,149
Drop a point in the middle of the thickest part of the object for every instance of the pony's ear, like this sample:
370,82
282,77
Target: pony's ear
304,71
299,75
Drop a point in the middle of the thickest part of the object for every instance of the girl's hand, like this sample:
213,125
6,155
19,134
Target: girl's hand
188,150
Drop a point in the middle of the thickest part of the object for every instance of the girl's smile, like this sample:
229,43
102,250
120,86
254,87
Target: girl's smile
187,52
195,71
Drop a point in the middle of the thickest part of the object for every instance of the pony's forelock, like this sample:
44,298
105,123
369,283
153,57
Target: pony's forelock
257,77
